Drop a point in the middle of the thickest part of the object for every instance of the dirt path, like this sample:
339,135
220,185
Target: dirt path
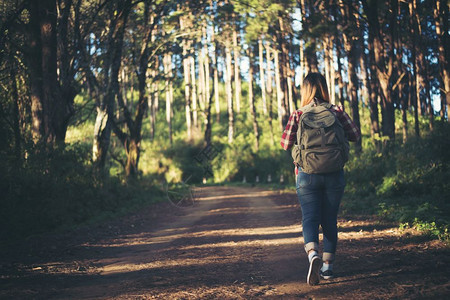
235,243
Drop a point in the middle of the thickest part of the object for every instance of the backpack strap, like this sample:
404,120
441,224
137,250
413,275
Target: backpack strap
326,104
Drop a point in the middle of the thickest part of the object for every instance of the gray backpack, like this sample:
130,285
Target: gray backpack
321,143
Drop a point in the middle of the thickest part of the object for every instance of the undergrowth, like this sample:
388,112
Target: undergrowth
406,183
53,190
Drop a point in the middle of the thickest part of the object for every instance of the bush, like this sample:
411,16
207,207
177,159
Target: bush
54,189
407,183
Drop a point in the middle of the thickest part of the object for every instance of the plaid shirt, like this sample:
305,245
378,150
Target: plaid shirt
289,137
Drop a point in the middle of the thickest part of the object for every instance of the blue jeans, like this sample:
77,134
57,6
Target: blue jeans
320,196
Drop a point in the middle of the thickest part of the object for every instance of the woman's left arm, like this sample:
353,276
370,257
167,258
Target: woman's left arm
352,132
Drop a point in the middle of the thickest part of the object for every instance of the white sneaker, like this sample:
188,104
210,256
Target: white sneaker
313,273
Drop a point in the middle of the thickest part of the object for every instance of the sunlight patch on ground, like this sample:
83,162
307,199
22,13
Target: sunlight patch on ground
136,240
236,196
247,243
128,266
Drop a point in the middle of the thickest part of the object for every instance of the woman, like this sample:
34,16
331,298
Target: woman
319,194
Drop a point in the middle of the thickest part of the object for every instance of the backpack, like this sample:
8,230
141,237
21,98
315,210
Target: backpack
321,143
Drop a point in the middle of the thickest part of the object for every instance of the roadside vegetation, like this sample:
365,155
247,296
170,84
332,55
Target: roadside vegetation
104,104
405,182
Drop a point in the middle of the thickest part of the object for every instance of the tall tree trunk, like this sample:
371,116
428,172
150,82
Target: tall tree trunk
374,91
150,103
415,95
421,76
351,47
441,21
285,70
201,81
363,60
340,72
269,89
169,93
398,89
155,96
153,85
302,72
207,68
332,85
228,89
110,86
269,58
237,76
384,68
66,71
310,47
327,64
215,75
251,99
404,103
45,102
187,80
261,76
194,87
208,125
280,108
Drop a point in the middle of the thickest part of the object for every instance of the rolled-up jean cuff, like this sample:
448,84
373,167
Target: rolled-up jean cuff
327,256
311,246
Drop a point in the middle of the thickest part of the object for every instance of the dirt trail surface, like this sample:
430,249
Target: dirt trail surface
234,243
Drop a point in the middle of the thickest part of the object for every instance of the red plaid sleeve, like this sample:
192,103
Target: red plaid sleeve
289,136
352,132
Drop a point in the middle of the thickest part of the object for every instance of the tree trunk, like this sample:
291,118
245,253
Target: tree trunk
201,81
269,89
280,109
332,85
215,74
351,48
168,91
42,60
302,63
384,69
133,153
187,80
207,71
327,64
340,76
363,62
154,96
415,93
269,71
285,70
228,89
152,85
110,87
261,76
237,76
209,96
374,91
312,64
194,88
251,98
441,20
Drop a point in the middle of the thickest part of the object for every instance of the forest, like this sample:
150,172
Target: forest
105,102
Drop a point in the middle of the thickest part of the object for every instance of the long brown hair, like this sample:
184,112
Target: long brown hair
314,86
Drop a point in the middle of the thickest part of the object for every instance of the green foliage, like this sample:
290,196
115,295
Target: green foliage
407,183
54,189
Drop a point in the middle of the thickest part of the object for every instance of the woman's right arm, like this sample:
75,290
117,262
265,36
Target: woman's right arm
289,136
